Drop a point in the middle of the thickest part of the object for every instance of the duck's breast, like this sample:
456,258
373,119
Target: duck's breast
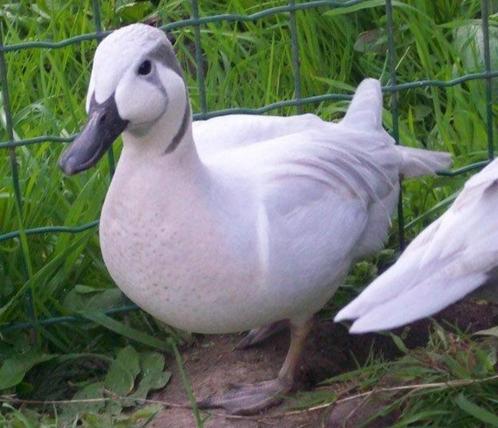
192,259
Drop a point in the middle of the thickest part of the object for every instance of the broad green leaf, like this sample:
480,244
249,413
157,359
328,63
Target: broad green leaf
153,375
141,417
107,299
120,378
96,300
93,392
85,289
483,415
93,420
15,368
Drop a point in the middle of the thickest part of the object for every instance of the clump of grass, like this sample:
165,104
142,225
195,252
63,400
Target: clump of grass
245,64
450,382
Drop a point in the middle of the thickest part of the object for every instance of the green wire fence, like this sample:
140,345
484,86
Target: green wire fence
196,21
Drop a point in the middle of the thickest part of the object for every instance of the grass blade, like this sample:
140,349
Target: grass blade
476,411
125,330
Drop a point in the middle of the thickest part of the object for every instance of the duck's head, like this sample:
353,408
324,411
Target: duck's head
136,83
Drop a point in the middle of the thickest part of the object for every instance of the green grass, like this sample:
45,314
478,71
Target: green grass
246,65
451,382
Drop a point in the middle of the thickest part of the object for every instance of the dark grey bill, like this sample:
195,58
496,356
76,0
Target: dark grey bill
103,127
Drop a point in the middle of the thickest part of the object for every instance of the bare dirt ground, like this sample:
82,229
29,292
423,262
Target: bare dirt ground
212,364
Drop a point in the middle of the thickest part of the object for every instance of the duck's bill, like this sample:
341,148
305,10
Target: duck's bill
103,127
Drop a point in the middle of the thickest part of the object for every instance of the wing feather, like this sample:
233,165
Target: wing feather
448,260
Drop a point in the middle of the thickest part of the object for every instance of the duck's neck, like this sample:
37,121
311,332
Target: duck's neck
163,161
169,142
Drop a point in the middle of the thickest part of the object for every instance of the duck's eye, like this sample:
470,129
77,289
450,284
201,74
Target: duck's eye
144,68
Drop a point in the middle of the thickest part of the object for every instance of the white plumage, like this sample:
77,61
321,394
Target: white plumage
240,221
251,234
452,257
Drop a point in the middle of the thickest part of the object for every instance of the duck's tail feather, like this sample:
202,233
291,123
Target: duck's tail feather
371,314
365,113
365,110
417,162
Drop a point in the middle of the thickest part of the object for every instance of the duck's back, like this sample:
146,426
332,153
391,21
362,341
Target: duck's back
222,133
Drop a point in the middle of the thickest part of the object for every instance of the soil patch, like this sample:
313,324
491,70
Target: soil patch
212,364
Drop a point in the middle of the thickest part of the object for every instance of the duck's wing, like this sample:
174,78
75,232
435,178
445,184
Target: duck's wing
331,190
312,194
227,132
452,257
317,204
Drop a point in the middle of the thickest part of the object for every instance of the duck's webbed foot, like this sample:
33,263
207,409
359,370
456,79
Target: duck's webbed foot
251,398
246,399
258,335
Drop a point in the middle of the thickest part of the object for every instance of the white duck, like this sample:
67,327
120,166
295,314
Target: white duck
237,222
452,257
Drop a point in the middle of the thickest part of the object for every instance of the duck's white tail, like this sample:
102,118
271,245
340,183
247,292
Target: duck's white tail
417,162
365,113
365,110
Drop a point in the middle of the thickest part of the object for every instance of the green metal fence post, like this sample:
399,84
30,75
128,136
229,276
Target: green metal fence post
198,58
296,66
394,111
27,267
489,82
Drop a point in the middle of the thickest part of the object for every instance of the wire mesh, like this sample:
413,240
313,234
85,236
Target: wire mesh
196,21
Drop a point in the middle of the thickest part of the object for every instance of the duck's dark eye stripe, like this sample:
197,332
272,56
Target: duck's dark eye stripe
145,68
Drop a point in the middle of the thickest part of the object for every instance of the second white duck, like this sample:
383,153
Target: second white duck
454,256
237,222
